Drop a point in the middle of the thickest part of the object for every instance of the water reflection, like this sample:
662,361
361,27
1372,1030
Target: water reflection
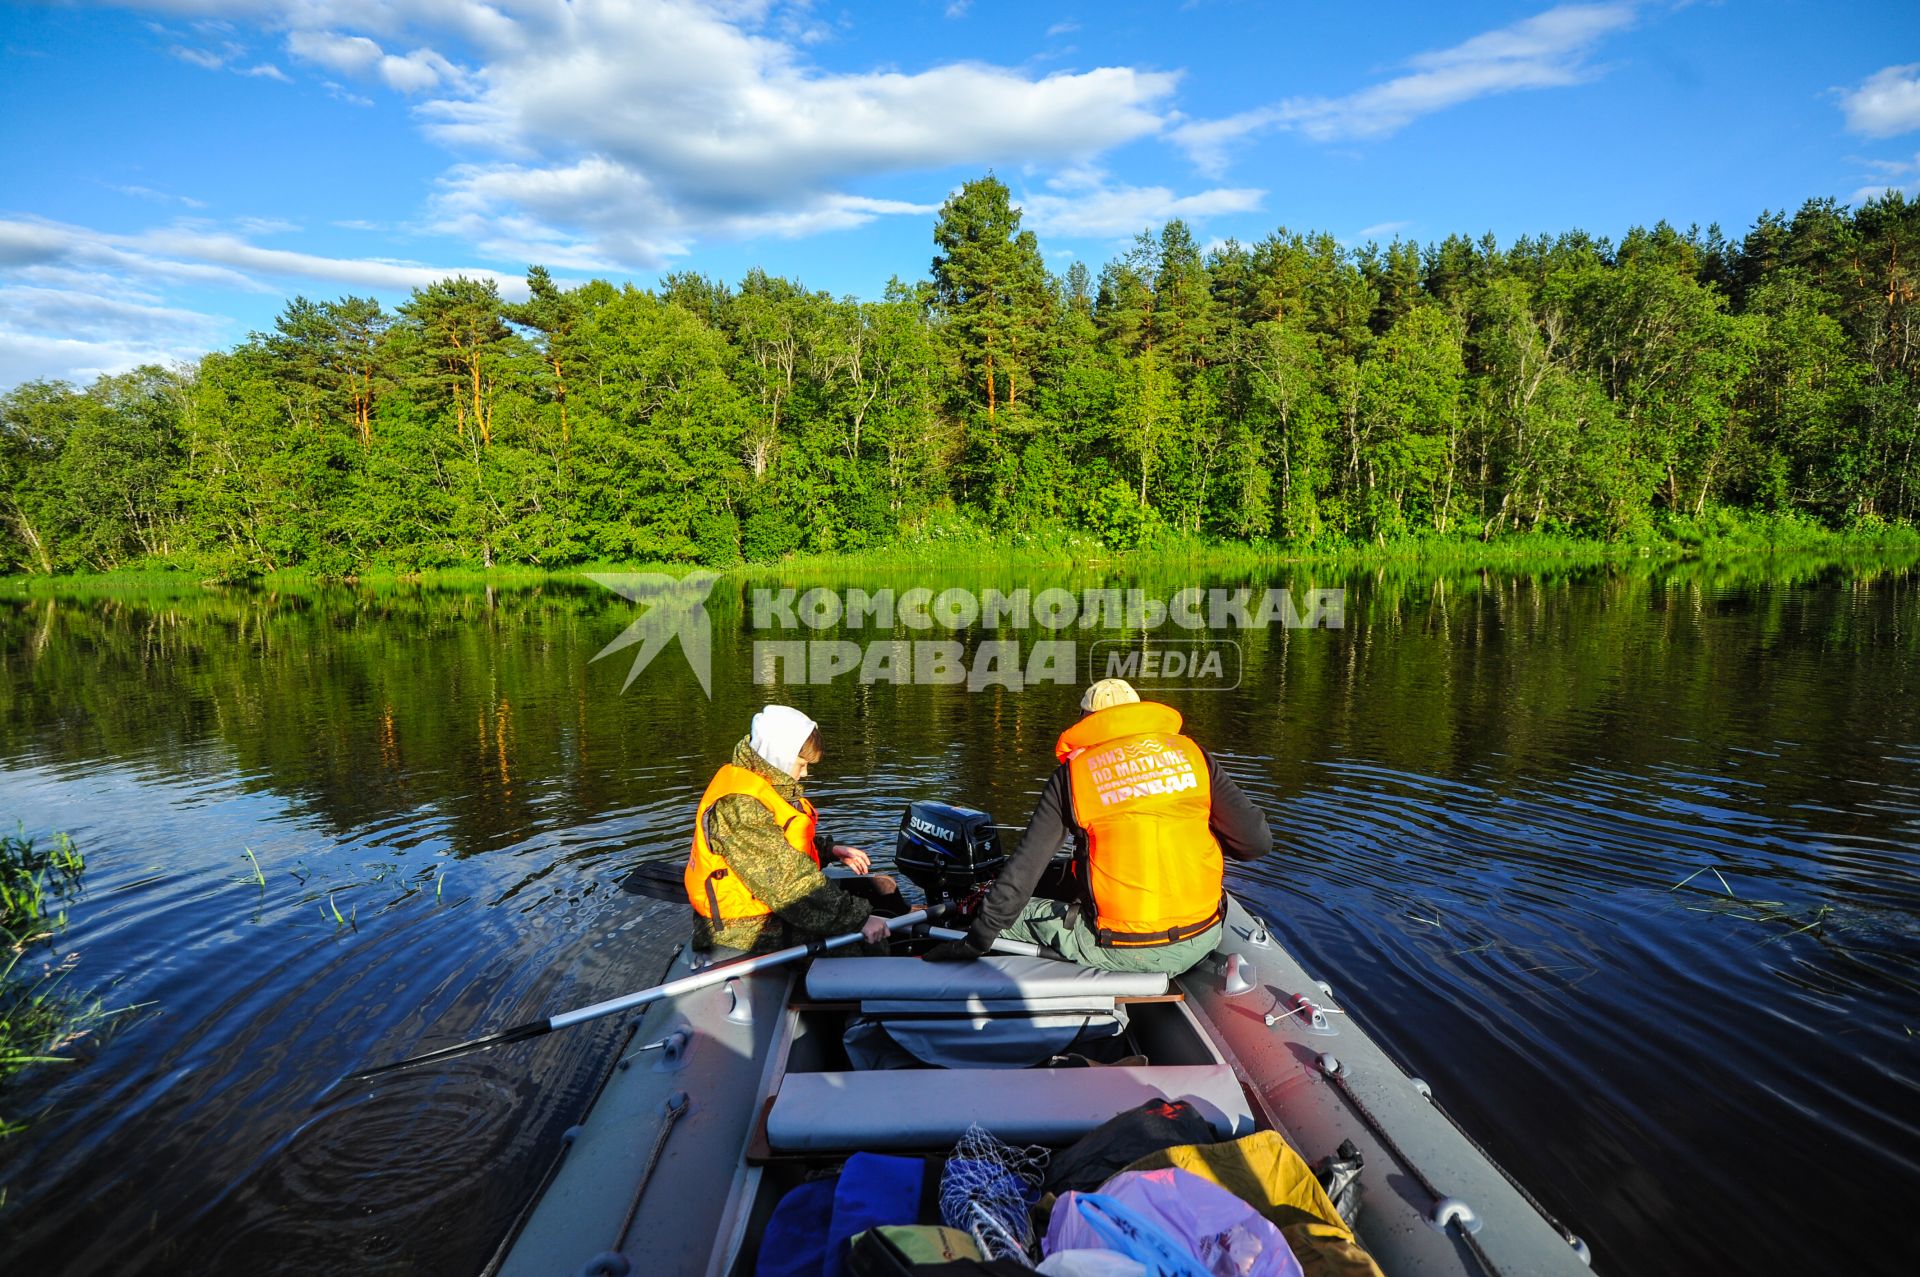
1488,787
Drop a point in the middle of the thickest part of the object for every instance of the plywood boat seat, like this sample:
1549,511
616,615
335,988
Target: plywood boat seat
932,1108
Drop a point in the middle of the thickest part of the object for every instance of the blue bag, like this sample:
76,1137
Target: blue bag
873,1190
794,1243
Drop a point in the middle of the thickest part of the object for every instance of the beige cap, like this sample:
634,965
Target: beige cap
1107,693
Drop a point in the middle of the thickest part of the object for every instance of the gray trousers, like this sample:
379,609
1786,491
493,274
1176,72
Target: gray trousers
1044,922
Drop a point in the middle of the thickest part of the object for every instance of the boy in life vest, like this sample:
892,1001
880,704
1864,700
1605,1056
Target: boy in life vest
1150,817
753,877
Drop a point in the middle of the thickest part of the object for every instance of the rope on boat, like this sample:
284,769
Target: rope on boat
1567,1234
676,1105
1337,1075
553,1166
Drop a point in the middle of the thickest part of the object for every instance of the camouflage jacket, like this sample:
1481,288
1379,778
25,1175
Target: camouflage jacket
745,835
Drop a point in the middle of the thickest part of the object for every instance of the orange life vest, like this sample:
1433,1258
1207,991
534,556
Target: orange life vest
1153,869
716,892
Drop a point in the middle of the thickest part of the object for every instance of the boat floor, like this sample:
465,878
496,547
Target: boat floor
648,1187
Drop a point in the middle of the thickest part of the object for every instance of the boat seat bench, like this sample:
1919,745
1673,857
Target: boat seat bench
932,1108
997,977
1035,1005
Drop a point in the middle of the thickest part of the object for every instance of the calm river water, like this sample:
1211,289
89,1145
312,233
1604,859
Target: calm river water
1486,788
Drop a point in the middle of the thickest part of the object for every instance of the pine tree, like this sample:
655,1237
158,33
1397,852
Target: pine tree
990,285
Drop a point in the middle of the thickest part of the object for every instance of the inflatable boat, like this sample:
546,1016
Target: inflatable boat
760,1077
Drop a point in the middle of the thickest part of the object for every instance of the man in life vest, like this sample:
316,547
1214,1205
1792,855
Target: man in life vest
1150,817
753,877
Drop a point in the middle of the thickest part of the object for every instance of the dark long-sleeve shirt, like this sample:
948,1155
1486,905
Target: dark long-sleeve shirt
1239,826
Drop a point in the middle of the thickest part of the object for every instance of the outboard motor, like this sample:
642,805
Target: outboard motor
947,851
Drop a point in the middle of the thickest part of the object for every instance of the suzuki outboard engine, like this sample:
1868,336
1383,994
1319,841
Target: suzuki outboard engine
947,851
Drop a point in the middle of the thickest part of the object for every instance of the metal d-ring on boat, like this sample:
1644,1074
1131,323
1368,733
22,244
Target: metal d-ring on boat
770,1097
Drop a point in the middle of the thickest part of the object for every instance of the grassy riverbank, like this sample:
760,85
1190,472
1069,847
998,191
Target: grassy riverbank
959,544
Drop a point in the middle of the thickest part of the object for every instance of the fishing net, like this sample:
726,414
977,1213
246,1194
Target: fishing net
988,1190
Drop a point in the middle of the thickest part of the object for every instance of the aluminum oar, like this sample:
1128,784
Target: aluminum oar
701,979
1000,945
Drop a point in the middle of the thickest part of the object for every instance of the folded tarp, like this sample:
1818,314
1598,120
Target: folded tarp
1264,1171
975,1042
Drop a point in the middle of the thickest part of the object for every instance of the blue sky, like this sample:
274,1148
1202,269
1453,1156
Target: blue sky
176,169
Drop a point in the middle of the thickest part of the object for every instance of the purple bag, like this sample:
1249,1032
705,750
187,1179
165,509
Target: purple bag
1175,1223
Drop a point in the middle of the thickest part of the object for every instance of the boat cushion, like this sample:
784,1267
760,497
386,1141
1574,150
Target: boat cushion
997,976
932,1108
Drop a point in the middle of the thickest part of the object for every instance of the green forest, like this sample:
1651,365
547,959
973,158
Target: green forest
1296,391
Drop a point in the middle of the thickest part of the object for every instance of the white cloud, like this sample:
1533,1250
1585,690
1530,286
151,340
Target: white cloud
1886,104
341,54
665,122
1207,142
631,132
76,334
1549,50
1087,206
88,316
1381,230
1890,175
196,254
958,8
75,302
227,57
343,94
231,251
356,55
611,135
265,225
33,356
161,197
1063,28
204,58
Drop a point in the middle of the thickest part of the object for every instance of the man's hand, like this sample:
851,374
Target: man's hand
954,951
852,857
875,930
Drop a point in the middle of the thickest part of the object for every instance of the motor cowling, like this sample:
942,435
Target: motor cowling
947,851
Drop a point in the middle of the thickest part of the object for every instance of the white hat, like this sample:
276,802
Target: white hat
777,734
1107,693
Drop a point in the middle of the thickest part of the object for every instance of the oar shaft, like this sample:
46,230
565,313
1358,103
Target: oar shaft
718,974
614,1006
1000,945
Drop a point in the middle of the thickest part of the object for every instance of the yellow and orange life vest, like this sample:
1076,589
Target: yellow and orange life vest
716,892
1153,870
